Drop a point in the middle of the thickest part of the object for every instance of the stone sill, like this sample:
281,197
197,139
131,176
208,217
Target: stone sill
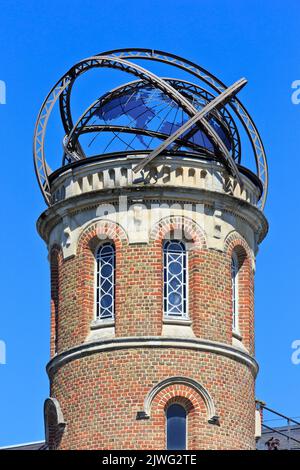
237,335
97,324
177,321
177,327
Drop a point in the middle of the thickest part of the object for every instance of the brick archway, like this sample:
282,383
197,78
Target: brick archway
187,393
88,243
185,226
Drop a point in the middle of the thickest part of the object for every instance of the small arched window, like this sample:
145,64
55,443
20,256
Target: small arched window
105,282
175,279
235,292
176,427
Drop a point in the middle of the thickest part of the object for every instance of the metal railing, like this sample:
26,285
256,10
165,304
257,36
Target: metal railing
286,430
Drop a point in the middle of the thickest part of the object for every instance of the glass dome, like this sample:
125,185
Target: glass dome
137,117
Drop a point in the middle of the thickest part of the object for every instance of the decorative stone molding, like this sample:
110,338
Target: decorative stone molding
211,411
114,172
151,342
235,241
54,422
101,329
82,210
174,327
188,228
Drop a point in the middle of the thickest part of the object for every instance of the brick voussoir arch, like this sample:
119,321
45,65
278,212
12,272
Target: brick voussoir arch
180,389
93,234
233,241
189,228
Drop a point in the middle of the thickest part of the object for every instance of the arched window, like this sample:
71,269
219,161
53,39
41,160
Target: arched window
105,279
55,285
175,279
235,292
176,427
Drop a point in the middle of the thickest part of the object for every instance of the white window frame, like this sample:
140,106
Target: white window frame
235,268
97,318
169,315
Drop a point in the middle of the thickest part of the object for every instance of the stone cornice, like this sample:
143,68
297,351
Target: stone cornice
159,342
240,208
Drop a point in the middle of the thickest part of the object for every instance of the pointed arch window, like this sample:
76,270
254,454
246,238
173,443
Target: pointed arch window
235,292
175,279
105,282
176,427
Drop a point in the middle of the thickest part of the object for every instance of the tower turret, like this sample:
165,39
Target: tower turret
152,228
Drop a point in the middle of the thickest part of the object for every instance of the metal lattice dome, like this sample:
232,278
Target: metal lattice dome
151,115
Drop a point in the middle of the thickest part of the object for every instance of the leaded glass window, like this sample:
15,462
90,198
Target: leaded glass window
235,292
105,295
175,279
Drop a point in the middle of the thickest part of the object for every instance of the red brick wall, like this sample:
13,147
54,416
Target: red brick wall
56,261
101,394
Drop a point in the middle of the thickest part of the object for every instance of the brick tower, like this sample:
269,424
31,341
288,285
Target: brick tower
152,246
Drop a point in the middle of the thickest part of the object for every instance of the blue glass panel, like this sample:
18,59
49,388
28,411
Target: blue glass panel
175,283
144,107
106,301
107,249
176,427
173,246
175,298
106,270
175,267
221,132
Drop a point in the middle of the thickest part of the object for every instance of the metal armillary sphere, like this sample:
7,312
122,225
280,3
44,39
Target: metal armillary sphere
153,115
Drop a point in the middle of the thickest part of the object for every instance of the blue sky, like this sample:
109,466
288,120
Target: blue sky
39,41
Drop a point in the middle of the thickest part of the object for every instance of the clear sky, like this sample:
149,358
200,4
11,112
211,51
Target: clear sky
39,41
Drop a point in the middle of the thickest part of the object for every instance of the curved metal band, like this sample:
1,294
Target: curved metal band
186,86
64,86
151,78
200,116
78,69
217,85
223,111
82,122
146,132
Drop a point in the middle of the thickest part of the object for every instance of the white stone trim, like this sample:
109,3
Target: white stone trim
170,171
106,323
151,342
177,327
81,211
